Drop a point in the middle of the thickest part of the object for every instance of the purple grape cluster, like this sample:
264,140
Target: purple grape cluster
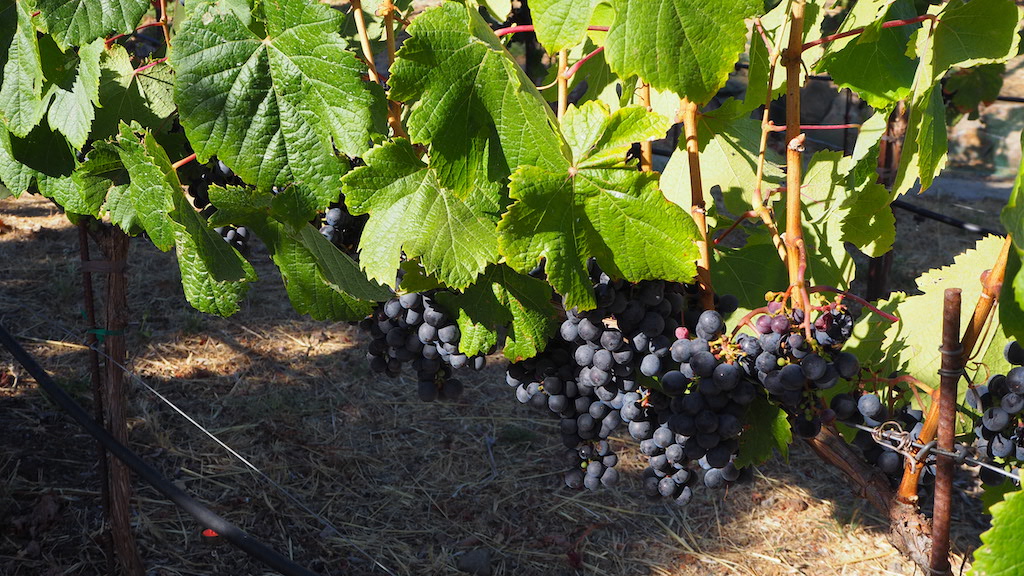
1000,428
791,368
412,328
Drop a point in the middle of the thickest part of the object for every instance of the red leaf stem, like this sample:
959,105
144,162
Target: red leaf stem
530,28
571,71
142,69
183,161
855,31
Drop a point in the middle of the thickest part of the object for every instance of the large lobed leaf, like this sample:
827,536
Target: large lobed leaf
686,46
595,206
412,212
913,343
561,23
875,65
503,298
965,34
275,107
79,22
471,102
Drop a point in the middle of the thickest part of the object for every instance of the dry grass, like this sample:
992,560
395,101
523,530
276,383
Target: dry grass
409,485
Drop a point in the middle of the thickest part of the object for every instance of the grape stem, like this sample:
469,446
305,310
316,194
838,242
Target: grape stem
688,116
563,82
747,320
572,70
758,200
394,108
773,128
110,41
742,217
142,69
855,298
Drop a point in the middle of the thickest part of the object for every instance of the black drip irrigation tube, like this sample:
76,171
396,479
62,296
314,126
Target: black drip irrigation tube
955,222
206,517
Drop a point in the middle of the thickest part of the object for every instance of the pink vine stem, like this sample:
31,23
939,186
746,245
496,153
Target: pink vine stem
183,161
571,71
855,298
530,28
855,31
142,69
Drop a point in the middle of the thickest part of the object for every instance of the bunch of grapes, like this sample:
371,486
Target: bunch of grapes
1000,429
631,362
869,409
412,328
793,368
199,182
342,228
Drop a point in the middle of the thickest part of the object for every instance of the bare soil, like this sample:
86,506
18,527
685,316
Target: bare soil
411,488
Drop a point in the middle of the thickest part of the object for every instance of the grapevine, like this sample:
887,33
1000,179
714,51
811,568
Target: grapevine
438,197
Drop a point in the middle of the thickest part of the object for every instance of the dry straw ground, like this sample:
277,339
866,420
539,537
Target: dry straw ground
418,488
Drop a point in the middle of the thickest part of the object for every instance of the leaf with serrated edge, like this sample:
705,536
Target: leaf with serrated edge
505,298
600,139
561,23
411,212
125,96
617,216
21,94
768,431
867,220
463,85
150,193
1000,553
79,22
972,33
879,70
274,108
338,268
309,292
920,355
686,46
71,109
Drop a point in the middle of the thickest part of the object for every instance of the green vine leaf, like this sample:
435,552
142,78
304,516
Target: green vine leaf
73,91
309,291
152,195
686,46
124,96
614,214
965,34
470,100
274,108
1001,553
411,212
79,22
768,431
915,350
561,23
744,272
21,94
503,298
876,67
